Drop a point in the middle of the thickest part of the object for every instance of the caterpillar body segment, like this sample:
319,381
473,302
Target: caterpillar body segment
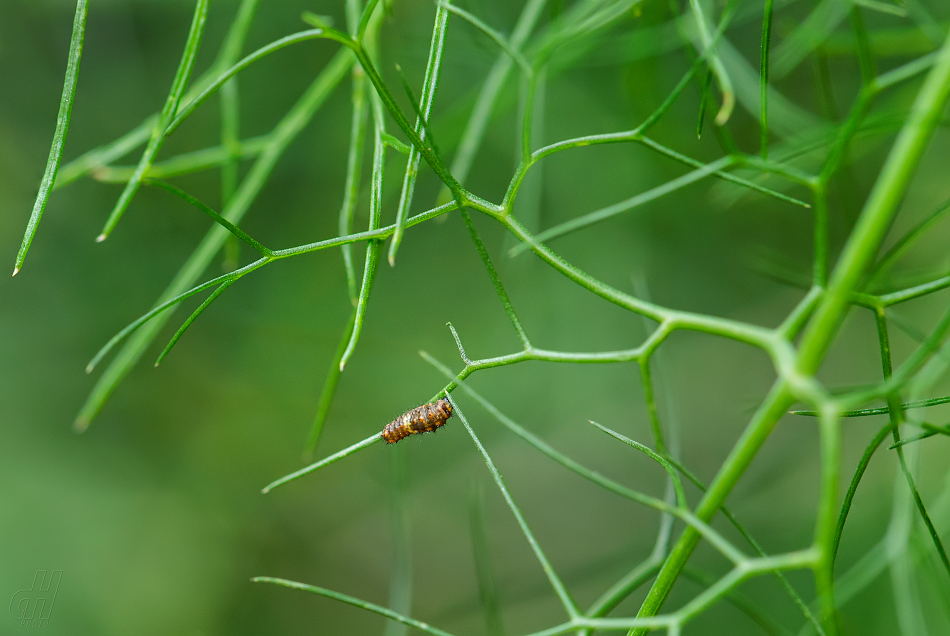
422,419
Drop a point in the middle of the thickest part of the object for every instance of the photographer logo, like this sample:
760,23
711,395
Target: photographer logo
32,607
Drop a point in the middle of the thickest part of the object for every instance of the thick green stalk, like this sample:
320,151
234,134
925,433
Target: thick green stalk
859,252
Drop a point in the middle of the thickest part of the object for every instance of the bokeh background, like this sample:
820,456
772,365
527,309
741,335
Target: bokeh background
155,514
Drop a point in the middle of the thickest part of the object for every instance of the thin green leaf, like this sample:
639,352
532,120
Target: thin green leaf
918,500
285,132
354,172
231,141
495,279
429,87
373,248
766,47
905,241
185,163
231,120
667,466
227,75
930,429
326,461
714,538
400,577
715,64
896,417
193,317
883,410
182,75
161,307
882,7
488,95
865,57
154,315
740,601
59,135
319,21
704,98
559,589
731,517
426,134
853,487
592,218
484,571
382,611
220,220
99,158
497,37
329,388
636,136
395,144
365,18
809,34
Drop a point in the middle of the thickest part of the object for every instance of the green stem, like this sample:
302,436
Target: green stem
354,169
231,121
896,415
285,131
429,87
559,589
349,600
764,79
373,248
229,73
853,487
59,135
856,258
329,387
182,76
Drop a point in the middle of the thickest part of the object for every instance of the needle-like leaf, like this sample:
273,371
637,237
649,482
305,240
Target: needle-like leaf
59,135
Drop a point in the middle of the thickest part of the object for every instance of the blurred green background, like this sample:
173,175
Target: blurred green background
155,515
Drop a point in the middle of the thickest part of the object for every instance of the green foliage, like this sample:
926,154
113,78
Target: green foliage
802,170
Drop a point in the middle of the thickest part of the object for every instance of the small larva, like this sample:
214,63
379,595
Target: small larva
422,419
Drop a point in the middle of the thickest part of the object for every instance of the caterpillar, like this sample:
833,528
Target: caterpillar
422,419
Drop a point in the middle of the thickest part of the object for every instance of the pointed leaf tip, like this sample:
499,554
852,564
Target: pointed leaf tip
725,112
16,269
101,237
80,425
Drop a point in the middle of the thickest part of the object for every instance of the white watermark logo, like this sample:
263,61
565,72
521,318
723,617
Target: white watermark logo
32,607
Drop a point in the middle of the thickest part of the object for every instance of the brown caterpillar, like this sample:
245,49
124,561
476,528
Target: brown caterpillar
422,419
